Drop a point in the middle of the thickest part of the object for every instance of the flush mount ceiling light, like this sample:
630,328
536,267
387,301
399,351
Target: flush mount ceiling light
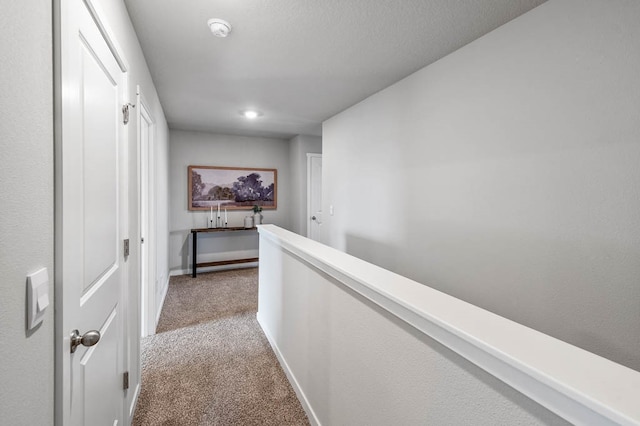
219,27
250,114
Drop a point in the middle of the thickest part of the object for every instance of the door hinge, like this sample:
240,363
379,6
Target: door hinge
125,380
126,247
125,112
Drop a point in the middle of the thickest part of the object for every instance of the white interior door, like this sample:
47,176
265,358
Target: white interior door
144,222
91,217
314,195
147,218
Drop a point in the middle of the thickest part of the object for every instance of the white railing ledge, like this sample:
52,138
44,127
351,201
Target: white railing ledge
578,385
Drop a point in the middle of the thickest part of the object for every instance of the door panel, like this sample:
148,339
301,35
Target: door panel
99,107
91,211
99,366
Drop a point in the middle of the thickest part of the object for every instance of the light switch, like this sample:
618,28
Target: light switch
43,299
37,297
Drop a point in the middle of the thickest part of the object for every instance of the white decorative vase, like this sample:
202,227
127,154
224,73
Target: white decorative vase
257,219
248,222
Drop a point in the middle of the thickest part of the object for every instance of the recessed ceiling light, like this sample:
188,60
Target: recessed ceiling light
219,27
250,114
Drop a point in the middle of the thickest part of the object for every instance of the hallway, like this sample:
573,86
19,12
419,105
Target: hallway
210,363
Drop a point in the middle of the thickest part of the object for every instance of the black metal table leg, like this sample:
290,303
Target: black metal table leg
194,254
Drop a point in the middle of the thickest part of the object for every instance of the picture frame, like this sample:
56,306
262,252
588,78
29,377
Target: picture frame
233,188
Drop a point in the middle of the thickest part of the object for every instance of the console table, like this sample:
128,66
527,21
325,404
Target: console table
194,242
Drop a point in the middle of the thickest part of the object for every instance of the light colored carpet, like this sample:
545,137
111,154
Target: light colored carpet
210,363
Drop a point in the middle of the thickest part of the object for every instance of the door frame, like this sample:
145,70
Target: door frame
148,249
310,157
62,341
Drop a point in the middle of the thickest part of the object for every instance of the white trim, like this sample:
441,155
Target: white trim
575,384
311,415
134,402
162,299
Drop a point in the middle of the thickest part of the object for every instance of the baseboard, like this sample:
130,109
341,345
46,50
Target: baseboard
164,296
313,419
177,272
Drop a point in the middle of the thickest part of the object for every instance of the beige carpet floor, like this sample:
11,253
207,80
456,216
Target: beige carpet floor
210,363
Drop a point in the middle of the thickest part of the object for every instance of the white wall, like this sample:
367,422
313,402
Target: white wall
26,240
506,174
26,208
207,149
298,149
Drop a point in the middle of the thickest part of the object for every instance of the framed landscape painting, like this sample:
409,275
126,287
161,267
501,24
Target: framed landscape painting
234,188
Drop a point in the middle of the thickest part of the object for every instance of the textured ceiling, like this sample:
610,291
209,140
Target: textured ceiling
297,61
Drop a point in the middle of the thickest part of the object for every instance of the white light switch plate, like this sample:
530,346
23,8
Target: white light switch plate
37,297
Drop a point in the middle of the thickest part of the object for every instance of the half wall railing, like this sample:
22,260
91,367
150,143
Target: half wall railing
362,345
